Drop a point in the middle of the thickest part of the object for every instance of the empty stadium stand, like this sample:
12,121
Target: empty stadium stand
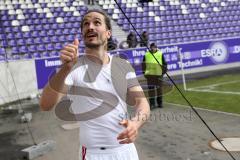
175,21
39,28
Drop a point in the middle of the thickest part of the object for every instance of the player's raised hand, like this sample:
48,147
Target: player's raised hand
69,53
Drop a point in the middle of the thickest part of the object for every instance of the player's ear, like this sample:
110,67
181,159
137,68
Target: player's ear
109,34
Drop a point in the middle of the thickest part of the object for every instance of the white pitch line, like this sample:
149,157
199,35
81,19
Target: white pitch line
214,85
204,109
213,91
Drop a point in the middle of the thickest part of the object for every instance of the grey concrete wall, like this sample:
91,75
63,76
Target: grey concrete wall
23,74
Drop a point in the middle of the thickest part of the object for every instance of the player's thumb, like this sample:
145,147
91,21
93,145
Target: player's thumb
76,42
124,122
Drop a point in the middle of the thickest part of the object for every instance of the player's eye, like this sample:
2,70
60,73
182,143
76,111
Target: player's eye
97,22
85,23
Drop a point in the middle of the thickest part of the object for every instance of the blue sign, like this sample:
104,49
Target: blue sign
45,68
193,55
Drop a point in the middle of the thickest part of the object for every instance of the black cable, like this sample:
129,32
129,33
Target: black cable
179,90
21,107
15,86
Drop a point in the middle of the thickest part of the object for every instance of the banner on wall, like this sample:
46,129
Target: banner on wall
44,69
194,55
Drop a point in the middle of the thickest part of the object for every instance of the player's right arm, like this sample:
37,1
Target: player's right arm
56,88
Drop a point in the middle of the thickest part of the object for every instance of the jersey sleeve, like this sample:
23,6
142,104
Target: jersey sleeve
131,76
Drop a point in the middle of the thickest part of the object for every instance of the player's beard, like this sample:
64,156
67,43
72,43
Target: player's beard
100,42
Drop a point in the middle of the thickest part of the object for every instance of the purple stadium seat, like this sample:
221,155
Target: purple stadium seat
69,19
2,36
176,28
51,20
74,31
120,22
145,14
2,51
43,21
12,42
46,40
27,56
8,29
43,33
38,40
16,57
56,14
14,50
23,49
50,47
110,11
46,54
138,25
121,16
21,42
35,34
16,29
61,14
54,53
32,48
51,33
38,27
151,30
36,55
41,48
4,17
54,26
76,25
126,27
61,25
46,26
41,16
66,31
3,12
12,17
30,22
32,27
22,22
78,19
54,39
70,38
81,50
58,46
68,25
166,41
29,41
3,43
6,23
62,38
10,35
58,32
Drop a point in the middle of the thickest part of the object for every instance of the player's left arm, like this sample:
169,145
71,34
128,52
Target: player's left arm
137,99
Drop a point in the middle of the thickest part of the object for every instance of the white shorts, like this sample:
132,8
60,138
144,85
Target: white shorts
125,152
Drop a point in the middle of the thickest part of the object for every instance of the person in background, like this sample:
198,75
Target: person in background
91,2
132,40
153,72
144,39
112,44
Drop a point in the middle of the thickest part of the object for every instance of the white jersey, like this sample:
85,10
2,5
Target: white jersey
101,130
